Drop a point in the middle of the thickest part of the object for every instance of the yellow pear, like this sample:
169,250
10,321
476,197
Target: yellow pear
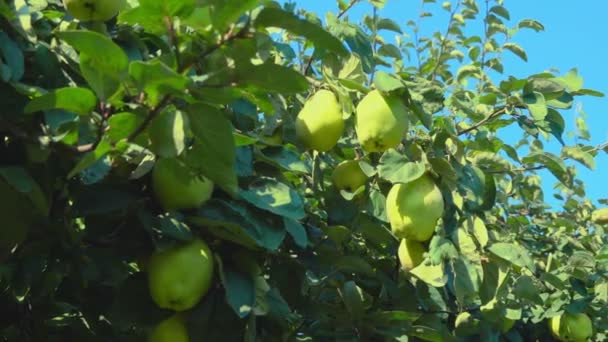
411,254
171,329
180,276
94,10
319,124
381,121
348,176
177,187
571,327
600,216
466,325
414,208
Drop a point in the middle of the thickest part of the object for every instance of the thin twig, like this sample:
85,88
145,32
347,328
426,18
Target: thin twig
495,114
444,40
153,113
483,48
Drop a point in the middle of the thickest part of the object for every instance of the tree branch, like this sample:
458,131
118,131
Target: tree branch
153,113
482,122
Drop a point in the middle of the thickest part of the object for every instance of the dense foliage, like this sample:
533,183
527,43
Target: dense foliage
87,108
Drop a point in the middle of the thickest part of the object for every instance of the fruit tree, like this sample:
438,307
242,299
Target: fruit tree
216,170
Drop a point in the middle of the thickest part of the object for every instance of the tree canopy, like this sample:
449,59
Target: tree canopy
434,227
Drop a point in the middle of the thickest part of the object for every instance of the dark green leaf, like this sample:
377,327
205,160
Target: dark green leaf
275,17
215,150
274,78
276,197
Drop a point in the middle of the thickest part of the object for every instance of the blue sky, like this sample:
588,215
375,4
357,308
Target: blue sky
574,37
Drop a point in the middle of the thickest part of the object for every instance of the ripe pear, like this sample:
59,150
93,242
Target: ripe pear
177,187
414,208
381,121
171,329
348,176
94,10
571,327
319,124
411,254
600,216
180,276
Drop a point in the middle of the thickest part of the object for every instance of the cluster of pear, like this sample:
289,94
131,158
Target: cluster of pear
381,121
180,276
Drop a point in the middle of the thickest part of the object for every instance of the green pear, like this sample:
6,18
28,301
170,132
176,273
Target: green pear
178,187
171,329
180,276
466,325
348,176
571,327
94,10
319,124
600,216
411,254
414,208
381,121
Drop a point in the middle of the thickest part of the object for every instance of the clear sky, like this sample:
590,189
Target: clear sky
574,37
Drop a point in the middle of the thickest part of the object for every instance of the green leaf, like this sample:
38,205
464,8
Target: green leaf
19,179
275,17
395,168
553,163
390,50
515,254
157,79
554,124
240,290
234,221
525,288
121,125
113,60
216,153
353,264
354,299
387,83
297,231
580,154
104,84
151,14
286,158
12,56
517,50
388,24
76,100
273,78
225,12
536,105
572,81
276,197
472,184
501,11
531,24
91,158
465,243
433,275
168,133
466,280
